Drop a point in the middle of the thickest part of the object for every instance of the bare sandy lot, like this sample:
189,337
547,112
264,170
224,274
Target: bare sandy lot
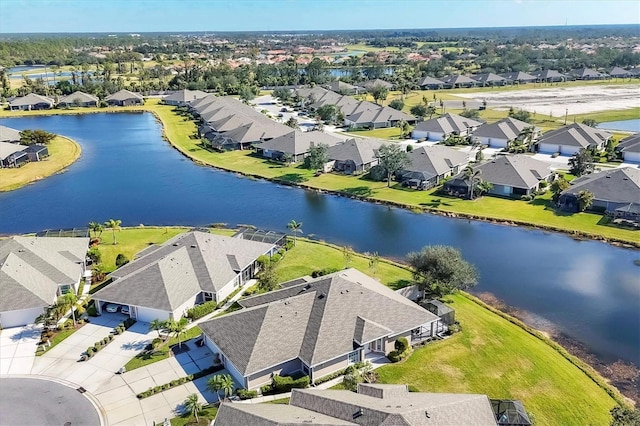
557,101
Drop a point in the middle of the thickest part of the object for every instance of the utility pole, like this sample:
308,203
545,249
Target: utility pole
566,112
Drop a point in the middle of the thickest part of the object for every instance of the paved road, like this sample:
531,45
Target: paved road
28,401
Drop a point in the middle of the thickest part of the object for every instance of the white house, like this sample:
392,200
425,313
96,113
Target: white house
438,129
568,140
166,280
630,148
500,133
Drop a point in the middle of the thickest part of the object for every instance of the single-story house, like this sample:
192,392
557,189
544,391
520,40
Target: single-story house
78,99
510,175
372,405
7,134
549,76
295,143
455,81
438,129
489,79
569,139
12,155
587,74
124,98
353,155
370,84
630,148
617,72
30,102
184,97
377,117
195,267
500,133
429,165
519,77
34,271
612,189
430,83
315,327
342,88
37,152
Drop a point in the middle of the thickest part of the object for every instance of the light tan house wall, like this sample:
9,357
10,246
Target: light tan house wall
330,367
390,342
261,378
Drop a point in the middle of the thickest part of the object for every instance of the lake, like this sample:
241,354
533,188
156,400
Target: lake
623,125
586,289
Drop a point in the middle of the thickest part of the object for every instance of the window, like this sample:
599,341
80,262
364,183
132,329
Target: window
354,357
305,369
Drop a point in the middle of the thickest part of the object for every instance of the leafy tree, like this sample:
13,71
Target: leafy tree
379,93
585,200
404,127
193,406
95,255
328,113
267,278
397,104
431,110
483,187
442,270
624,416
472,176
121,260
177,328
246,93
590,122
317,157
293,123
557,186
114,225
374,260
392,158
347,253
281,93
521,115
470,113
581,163
419,111
32,137
295,228
157,325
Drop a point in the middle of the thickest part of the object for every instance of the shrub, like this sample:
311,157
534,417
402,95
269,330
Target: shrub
200,311
95,255
394,356
247,394
90,350
91,310
286,383
166,386
321,272
263,260
401,345
544,184
266,389
526,197
289,245
174,382
121,260
412,388
276,258
156,342
454,328
377,173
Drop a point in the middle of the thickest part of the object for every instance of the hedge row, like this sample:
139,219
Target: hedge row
337,374
282,384
92,350
181,381
200,311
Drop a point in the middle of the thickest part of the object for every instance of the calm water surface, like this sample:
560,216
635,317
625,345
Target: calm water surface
589,290
623,125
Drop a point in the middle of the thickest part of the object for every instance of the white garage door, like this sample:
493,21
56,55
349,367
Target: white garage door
548,148
633,157
148,315
19,318
569,150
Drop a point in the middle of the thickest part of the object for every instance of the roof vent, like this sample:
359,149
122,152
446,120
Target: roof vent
426,413
175,244
193,246
321,296
358,413
608,177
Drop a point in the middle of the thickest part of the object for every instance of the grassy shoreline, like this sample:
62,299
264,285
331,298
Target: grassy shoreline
494,354
177,130
63,152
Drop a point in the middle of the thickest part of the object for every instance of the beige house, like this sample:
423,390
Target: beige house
315,326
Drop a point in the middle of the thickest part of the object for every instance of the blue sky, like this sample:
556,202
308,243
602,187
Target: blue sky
27,16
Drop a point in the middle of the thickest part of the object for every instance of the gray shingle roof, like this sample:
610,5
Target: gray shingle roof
168,276
507,128
621,185
457,79
272,415
123,95
518,171
31,99
315,321
586,73
6,149
186,96
575,134
7,134
338,86
548,74
430,81
619,72
360,151
297,142
630,144
447,123
488,77
32,268
518,76
369,84
78,95
435,160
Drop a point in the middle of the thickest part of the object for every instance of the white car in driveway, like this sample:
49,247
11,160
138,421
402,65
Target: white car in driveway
125,309
111,308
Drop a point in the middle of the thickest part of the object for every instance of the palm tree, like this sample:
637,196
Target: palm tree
177,328
585,200
431,110
193,406
114,225
97,229
220,382
157,325
295,227
473,177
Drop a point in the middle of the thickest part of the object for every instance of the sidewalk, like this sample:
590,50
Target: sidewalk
224,307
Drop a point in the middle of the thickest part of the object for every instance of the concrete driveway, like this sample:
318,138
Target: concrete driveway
18,349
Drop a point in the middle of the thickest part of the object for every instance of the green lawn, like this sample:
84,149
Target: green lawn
57,338
162,352
496,357
205,417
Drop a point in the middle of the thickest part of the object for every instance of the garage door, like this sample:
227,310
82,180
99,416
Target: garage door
148,315
569,150
548,148
19,318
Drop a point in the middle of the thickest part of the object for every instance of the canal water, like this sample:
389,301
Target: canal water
622,125
586,289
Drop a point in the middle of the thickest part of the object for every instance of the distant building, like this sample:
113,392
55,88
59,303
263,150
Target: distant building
78,99
31,102
124,98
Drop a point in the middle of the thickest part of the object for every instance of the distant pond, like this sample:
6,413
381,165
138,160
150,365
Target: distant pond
586,289
623,125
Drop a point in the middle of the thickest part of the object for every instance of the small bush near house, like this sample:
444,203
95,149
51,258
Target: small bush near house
286,383
321,272
526,197
266,389
454,328
394,356
544,184
121,260
200,311
91,310
247,394
401,345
